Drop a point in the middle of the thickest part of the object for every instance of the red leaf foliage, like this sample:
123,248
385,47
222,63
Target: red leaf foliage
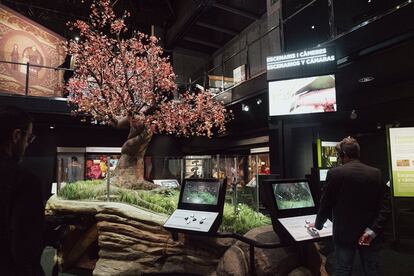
117,77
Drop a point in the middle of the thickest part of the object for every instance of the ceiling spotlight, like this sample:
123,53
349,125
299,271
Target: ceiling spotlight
245,107
366,79
52,127
259,101
369,1
379,126
77,38
313,27
353,115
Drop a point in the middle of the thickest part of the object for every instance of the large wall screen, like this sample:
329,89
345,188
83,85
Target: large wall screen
302,95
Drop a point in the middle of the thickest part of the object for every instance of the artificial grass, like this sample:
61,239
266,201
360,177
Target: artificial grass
239,220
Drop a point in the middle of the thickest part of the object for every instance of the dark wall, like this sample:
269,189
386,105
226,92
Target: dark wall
291,145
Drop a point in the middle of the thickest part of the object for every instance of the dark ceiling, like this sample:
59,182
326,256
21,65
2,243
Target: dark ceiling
199,25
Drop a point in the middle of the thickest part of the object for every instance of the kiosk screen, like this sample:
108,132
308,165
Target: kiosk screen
200,192
293,195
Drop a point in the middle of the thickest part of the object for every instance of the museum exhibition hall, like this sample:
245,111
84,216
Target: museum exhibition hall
201,137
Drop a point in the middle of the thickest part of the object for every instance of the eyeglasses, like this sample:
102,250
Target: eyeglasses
31,138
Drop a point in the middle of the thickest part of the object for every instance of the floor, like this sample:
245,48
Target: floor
395,260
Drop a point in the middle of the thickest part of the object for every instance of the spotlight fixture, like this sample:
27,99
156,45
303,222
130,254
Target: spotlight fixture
245,107
259,101
353,115
379,126
366,79
77,38
52,127
313,27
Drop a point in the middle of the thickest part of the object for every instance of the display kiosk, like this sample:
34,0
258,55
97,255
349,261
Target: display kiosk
200,207
292,208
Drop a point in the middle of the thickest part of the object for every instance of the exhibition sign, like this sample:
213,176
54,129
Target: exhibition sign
327,155
311,62
401,148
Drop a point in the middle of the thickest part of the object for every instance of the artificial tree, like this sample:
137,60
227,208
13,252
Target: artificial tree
123,79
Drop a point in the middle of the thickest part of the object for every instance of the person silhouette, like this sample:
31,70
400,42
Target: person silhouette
22,207
15,57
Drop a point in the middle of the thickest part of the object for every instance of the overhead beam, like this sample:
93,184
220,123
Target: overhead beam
236,11
202,42
216,28
187,13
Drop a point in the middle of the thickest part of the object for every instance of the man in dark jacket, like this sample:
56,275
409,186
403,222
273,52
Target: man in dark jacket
358,201
22,205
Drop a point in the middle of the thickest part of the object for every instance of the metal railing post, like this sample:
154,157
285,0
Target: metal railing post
27,79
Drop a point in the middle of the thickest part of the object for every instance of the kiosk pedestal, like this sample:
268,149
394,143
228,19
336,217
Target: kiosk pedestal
200,207
292,208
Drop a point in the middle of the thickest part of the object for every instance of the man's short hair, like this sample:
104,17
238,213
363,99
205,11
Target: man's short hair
349,147
12,118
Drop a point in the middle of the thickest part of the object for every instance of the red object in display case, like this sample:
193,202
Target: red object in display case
97,165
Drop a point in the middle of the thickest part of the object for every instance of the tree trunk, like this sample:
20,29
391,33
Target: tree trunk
129,172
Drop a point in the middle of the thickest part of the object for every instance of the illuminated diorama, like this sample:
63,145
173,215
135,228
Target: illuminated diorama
117,214
129,235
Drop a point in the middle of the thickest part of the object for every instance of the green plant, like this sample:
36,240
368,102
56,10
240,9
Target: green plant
88,189
162,201
242,219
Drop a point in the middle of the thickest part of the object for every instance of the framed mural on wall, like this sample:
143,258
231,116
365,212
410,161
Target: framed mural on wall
23,41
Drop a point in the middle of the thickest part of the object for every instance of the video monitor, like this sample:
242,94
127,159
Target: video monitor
302,95
201,194
292,195
198,192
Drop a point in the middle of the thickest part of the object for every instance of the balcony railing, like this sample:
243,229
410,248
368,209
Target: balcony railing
27,79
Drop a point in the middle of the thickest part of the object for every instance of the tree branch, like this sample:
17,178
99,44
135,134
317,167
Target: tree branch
131,95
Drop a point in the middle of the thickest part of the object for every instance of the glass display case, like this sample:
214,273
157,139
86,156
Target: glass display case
88,163
163,167
198,166
98,159
96,165
70,164
241,171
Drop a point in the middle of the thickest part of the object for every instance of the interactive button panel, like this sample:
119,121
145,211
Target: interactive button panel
199,221
298,228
